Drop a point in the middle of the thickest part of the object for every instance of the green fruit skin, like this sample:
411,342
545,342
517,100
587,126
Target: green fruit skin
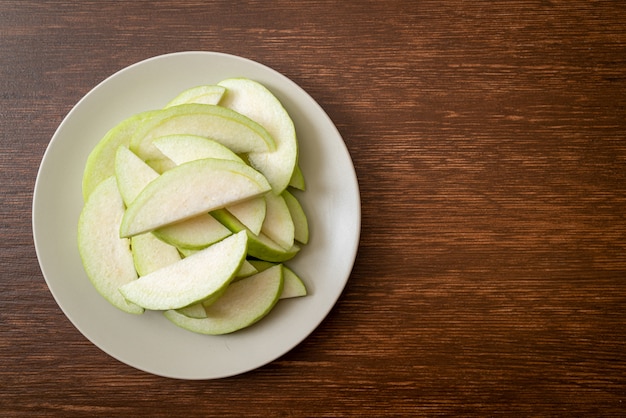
225,315
259,246
101,160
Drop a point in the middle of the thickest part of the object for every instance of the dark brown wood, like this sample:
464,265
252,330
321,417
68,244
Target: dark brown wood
489,139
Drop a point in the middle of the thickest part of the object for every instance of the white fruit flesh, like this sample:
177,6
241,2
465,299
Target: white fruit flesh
191,279
191,189
151,254
237,132
246,270
106,257
293,285
195,233
250,213
132,174
193,311
300,221
205,94
184,148
197,310
255,101
243,303
278,225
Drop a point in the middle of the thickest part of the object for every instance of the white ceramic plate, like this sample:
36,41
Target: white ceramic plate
150,342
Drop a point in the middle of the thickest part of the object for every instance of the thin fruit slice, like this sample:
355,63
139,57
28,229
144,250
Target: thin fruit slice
151,254
101,160
251,213
259,246
191,279
262,265
255,101
293,286
184,148
161,164
195,310
246,270
204,94
191,189
300,221
258,294
132,174
237,132
195,233
297,179
106,257
278,225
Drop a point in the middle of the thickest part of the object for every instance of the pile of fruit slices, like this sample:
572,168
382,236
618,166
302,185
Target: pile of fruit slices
192,209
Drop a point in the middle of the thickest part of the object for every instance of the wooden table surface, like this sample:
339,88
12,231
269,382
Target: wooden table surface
489,140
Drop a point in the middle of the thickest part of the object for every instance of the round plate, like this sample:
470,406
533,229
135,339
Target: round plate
150,342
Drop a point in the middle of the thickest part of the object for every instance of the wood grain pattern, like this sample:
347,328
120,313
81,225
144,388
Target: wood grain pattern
489,142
